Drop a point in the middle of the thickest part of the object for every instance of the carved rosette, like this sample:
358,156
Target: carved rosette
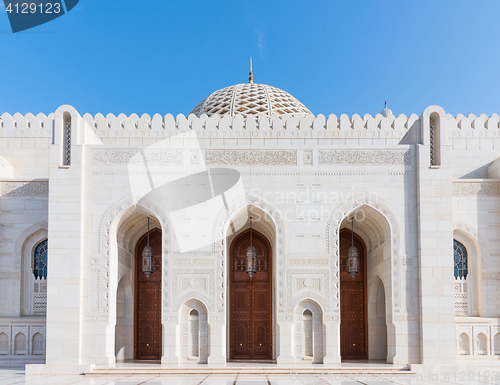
307,287
193,290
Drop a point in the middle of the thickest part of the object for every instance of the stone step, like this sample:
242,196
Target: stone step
200,369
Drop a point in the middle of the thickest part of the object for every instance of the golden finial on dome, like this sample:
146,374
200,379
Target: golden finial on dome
250,75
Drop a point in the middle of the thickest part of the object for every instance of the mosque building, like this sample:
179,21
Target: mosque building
249,231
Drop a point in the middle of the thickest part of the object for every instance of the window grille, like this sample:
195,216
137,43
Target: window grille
433,143
67,143
40,265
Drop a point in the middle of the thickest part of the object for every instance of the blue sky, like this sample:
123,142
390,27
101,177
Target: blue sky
334,56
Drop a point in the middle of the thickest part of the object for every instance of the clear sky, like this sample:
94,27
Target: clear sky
334,56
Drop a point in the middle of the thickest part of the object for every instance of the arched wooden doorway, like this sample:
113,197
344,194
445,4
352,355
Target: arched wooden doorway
250,310
148,328
353,304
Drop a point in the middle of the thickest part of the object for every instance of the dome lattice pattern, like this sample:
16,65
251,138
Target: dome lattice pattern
250,99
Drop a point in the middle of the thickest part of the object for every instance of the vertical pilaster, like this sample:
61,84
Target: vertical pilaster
435,243
65,246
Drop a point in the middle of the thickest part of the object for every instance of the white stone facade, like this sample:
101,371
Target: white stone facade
70,179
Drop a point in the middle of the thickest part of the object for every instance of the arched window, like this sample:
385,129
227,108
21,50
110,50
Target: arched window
67,140
434,140
40,260
194,328
463,344
460,260
308,333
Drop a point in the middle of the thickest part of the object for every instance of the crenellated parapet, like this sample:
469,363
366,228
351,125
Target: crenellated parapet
473,126
29,125
277,126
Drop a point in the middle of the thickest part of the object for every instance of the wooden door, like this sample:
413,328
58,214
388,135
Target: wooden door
353,327
250,300
148,335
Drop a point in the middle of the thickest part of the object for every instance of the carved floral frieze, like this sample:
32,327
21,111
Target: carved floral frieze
24,189
365,157
125,156
251,157
469,189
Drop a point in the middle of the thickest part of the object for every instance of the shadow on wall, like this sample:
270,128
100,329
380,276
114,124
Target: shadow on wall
478,173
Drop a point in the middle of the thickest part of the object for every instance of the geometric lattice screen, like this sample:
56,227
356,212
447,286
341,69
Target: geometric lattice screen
250,99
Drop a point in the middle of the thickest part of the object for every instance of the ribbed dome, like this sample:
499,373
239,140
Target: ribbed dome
249,98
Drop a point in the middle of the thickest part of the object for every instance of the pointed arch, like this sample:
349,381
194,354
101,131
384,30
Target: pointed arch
108,230
232,215
25,247
193,341
4,344
463,344
308,332
481,347
379,228
389,229
112,260
20,348
37,344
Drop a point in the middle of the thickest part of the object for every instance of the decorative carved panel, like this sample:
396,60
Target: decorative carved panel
251,157
125,156
24,189
365,157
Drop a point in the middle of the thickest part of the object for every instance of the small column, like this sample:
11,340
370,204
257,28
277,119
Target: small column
217,339
285,339
332,340
170,340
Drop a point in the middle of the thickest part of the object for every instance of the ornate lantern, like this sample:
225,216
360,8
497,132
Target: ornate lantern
352,256
148,259
251,256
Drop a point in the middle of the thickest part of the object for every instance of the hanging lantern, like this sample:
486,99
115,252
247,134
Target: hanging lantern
148,259
251,256
352,256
